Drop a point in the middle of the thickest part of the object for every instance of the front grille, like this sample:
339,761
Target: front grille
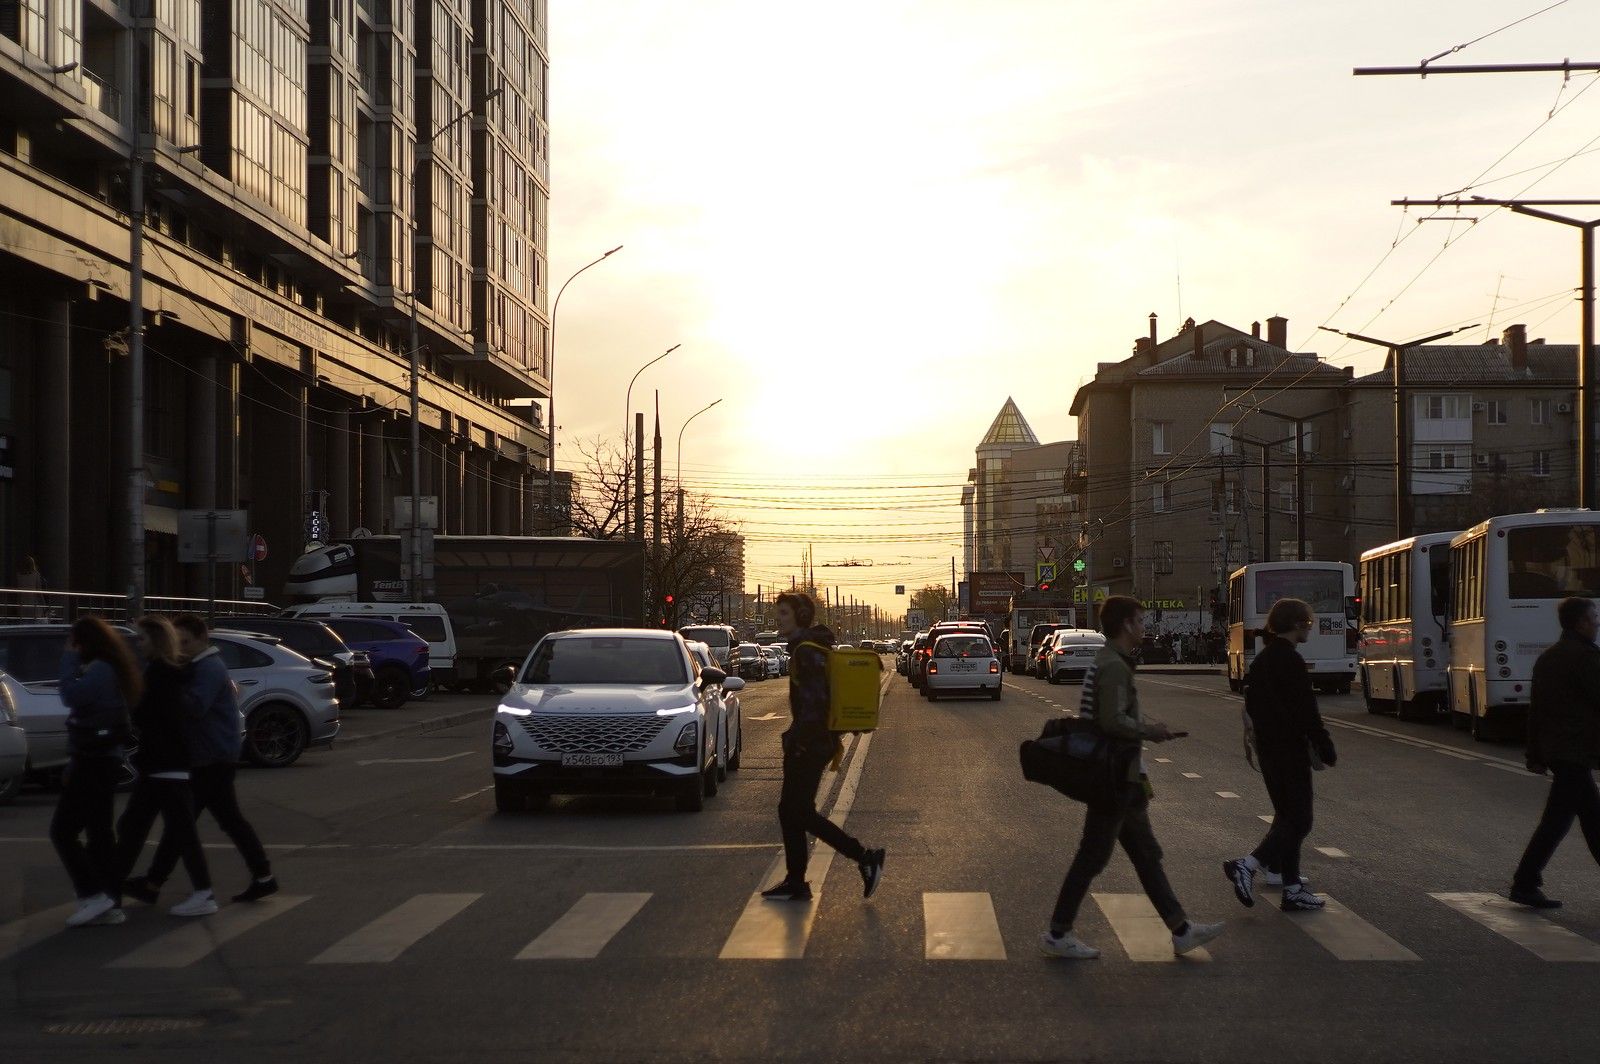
594,733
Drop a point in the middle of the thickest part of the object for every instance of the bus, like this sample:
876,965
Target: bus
1328,587
1507,574
1403,652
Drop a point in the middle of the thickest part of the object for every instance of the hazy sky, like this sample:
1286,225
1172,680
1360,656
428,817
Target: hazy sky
869,222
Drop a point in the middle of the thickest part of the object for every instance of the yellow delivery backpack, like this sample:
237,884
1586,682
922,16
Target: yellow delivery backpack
854,688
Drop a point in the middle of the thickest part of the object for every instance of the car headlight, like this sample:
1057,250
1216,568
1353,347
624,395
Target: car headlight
8,705
688,739
502,741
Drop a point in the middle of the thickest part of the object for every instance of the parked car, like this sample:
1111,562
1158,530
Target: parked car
608,710
428,619
365,681
774,662
962,663
399,656
1069,652
729,731
286,701
30,670
13,748
747,663
311,639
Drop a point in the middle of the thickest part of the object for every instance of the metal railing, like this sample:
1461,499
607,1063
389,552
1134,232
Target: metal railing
102,95
24,606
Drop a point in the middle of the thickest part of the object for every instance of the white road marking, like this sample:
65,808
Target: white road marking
1266,817
1546,940
473,794
1331,851
1226,794
201,936
583,931
1454,753
1163,760
768,716
415,760
28,931
1191,775
397,930
961,927
1347,936
1140,930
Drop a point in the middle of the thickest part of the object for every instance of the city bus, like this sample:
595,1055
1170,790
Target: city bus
1507,574
1330,590
1405,598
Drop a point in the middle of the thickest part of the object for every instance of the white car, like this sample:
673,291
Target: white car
1069,652
609,710
962,663
729,732
774,662
30,671
286,703
13,748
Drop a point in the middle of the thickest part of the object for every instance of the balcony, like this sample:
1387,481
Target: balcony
102,95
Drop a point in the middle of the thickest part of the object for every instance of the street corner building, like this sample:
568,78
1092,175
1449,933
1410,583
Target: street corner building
318,182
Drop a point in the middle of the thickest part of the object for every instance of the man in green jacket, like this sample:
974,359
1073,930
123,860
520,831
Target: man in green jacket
1109,696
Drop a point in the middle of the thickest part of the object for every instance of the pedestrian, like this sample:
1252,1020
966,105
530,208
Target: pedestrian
162,761
214,738
1563,739
99,681
31,580
1289,740
1112,700
808,748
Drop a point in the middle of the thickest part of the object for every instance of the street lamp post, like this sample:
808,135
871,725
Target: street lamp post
627,455
691,417
550,376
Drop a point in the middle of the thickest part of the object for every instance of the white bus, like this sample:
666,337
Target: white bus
1405,598
1330,590
1507,574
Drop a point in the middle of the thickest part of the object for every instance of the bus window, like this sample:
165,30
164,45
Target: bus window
1439,579
1552,561
1321,589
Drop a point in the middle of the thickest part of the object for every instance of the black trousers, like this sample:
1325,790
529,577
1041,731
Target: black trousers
1288,782
173,801
797,809
88,801
1125,821
212,787
1573,796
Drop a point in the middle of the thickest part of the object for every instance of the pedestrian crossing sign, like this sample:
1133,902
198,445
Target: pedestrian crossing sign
1046,571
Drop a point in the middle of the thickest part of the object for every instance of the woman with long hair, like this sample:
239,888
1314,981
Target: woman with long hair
99,681
163,764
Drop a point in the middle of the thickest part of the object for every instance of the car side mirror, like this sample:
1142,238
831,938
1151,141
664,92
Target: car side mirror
733,684
712,676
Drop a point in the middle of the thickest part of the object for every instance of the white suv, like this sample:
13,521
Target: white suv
962,663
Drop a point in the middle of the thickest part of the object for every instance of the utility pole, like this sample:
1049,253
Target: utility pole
1266,487
656,530
638,476
1300,466
136,473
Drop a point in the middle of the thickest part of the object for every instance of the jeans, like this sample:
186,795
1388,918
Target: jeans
797,809
1126,820
88,800
1573,796
1288,782
173,801
212,786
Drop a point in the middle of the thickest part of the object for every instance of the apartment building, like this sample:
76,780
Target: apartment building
315,173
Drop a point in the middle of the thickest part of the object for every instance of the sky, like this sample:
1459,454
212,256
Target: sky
870,222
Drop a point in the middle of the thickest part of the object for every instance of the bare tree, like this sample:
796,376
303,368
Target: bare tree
600,489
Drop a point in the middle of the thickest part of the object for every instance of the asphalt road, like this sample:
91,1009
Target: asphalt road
417,924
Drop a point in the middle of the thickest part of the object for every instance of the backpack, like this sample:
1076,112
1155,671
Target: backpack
854,689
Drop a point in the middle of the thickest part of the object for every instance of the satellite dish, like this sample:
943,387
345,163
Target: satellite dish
361,532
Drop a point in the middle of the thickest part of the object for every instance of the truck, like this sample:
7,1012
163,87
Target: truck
501,593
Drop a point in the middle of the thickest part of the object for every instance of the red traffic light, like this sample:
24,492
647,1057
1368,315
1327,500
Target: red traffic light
669,600
1044,586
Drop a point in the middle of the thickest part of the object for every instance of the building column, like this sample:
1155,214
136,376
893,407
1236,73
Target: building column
202,442
500,492
373,515
53,417
472,486
339,508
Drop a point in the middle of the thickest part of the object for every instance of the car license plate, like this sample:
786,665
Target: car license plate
591,760
963,666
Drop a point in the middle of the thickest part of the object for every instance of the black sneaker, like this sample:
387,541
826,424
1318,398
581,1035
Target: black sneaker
1243,878
871,871
788,891
1533,898
140,888
258,889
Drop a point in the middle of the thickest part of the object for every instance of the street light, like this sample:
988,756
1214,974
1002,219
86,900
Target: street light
627,431
550,377
692,416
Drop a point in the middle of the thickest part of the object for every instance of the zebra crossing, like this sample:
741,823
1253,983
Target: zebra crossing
957,927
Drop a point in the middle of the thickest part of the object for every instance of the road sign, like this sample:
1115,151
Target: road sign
1047,552
212,536
1045,571
254,593
258,548
899,589
916,619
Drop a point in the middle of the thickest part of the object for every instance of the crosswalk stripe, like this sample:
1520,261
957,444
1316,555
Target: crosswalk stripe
28,931
1347,936
1226,794
771,930
1140,930
396,931
1546,940
1191,775
1331,851
201,936
583,931
961,927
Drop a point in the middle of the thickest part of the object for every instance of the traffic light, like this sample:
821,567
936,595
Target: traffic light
1044,585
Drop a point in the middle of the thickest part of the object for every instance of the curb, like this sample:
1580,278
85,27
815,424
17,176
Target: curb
416,727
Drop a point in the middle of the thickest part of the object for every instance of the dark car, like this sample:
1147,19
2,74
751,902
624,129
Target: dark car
309,639
746,662
399,656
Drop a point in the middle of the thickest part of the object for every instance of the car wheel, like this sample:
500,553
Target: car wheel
391,687
692,797
722,754
932,697
994,696
710,781
276,735
10,788
509,797
738,751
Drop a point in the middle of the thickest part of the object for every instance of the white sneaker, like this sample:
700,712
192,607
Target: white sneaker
1068,946
90,909
1197,935
200,903
1299,899
109,918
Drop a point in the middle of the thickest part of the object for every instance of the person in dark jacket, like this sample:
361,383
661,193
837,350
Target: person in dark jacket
808,748
1281,706
99,681
163,764
214,736
1564,738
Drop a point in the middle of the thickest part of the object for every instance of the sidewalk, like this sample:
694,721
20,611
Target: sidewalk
357,727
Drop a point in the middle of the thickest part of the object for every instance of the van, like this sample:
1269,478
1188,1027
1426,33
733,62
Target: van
427,619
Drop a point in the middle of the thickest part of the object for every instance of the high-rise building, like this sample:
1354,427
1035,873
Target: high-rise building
315,173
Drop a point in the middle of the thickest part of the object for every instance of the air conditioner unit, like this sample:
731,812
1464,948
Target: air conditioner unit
1483,459
1119,563
1563,408
1478,408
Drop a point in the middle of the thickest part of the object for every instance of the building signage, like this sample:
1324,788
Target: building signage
990,592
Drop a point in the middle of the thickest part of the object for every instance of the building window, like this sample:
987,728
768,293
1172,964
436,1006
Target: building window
1286,498
1233,356
1158,437
1161,496
1221,438
1163,556
1444,407
1539,411
1495,411
1541,460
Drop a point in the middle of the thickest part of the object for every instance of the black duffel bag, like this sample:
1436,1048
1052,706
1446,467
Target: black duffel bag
1076,758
